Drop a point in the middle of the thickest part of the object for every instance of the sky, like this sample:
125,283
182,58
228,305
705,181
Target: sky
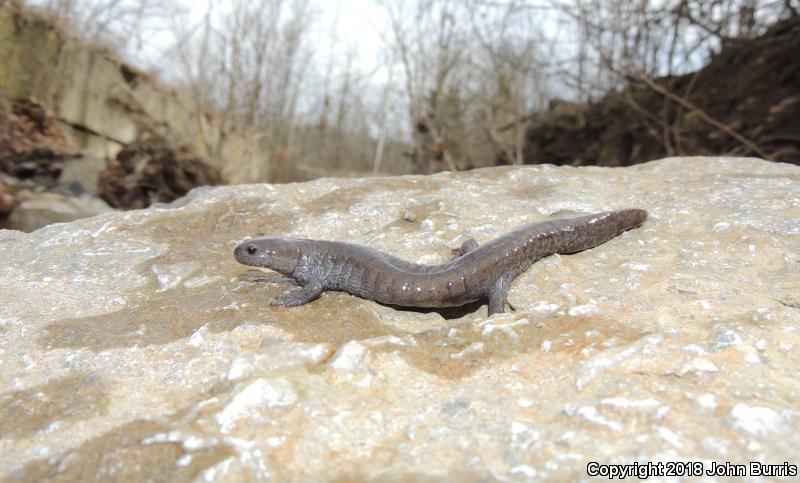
353,23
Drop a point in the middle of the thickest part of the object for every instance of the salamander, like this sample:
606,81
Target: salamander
475,273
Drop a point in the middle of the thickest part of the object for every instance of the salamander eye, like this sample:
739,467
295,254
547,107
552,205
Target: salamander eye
251,249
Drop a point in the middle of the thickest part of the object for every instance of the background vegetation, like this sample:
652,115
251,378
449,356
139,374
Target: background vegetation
452,85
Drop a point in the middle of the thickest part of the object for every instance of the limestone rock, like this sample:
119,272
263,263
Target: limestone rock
134,347
82,171
35,210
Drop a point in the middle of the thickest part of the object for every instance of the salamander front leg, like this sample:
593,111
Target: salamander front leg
299,296
498,294
468,245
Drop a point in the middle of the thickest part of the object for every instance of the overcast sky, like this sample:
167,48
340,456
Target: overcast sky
354,24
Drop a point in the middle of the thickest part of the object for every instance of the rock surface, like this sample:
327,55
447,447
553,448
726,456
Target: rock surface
133,346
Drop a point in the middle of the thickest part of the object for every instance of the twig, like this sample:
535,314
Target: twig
646,117
520,120
665,129
676,131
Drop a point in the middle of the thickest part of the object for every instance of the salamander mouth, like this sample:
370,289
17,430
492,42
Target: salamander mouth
244,253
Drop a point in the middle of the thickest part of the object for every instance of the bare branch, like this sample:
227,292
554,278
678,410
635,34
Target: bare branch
702,114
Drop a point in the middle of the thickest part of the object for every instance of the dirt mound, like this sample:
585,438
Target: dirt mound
152,170
31,145
745,102
32,150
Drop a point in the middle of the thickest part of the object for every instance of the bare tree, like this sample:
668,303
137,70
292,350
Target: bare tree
467,73
642,41
656,38
125,25
247,63
430,42
385,106
512,73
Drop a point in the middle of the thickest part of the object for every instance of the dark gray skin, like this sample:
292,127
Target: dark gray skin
477,272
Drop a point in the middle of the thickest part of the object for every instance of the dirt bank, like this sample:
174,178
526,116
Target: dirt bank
745,102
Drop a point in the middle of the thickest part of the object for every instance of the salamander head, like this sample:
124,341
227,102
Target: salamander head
279,254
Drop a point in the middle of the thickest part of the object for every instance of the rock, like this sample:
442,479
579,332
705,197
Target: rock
35,210
83,171
133,346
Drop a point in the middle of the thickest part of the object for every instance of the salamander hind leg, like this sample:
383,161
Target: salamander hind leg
468,245
299,296
499,293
